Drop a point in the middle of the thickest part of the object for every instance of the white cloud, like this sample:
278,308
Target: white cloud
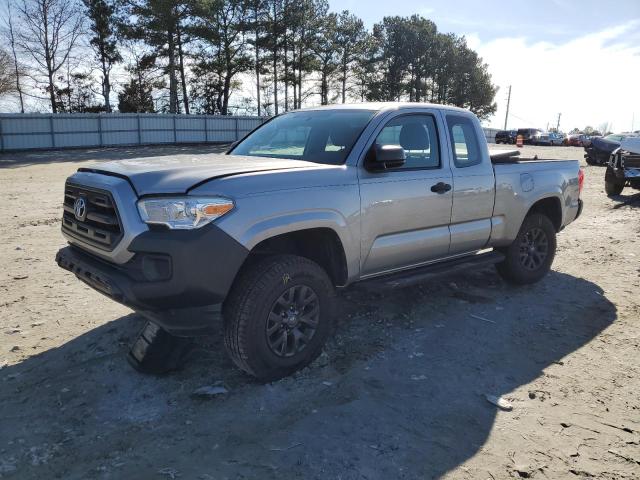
591,80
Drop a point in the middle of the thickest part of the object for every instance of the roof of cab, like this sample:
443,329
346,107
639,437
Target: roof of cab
380,106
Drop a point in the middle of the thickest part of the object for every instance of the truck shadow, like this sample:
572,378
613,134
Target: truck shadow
632,200
398,394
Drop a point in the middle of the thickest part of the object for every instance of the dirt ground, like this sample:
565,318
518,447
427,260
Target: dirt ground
398,394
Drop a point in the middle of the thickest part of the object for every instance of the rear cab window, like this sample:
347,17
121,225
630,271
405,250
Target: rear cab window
464,141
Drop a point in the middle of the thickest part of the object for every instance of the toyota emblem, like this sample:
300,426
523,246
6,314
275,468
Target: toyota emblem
80,209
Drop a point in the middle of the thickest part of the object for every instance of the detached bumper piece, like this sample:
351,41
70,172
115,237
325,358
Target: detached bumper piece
156,351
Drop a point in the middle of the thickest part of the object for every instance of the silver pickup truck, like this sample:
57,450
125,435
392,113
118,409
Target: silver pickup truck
311,201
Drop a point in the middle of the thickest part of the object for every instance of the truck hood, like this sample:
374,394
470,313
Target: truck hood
631,144
179,173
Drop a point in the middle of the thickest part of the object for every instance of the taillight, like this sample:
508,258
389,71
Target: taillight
580,180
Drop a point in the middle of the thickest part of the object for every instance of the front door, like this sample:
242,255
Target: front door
406,210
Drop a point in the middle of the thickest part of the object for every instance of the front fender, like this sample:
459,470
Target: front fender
258,218
293,222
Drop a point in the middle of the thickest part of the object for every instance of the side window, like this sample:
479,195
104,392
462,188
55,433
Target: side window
417,135
464,141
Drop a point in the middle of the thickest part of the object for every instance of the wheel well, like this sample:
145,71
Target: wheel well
551,208
321,245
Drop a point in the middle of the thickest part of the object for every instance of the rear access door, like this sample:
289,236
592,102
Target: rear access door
473,184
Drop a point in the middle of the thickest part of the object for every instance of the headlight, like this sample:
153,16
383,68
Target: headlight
183,213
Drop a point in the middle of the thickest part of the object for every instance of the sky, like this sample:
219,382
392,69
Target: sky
577,58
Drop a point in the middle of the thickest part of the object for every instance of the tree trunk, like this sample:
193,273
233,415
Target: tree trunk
295,89
185,97
324,87
68,87
300,72
106,84
15,61
344,79
275,57
173,84
226,94
52,96
257,62
48,60
286,76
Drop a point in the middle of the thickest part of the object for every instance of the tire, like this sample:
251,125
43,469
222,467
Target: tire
257,304
612,184
591,161
524,267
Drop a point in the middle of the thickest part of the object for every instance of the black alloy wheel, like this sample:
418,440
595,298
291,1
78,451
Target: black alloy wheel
534,248
292,321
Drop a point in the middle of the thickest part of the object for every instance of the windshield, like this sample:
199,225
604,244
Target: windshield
321,136
615,138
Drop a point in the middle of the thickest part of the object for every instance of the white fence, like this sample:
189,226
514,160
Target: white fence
43,131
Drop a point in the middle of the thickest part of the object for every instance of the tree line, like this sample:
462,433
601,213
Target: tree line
224,56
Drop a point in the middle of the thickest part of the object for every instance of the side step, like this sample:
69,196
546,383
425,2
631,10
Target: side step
420,274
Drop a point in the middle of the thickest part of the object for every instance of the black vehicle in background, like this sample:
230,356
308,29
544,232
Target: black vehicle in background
623,167
506,136
529,135
598,150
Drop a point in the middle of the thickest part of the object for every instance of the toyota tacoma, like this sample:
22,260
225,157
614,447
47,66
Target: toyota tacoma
310,202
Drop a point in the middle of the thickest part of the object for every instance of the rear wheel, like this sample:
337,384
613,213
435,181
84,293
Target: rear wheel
531,254
612,184
278,316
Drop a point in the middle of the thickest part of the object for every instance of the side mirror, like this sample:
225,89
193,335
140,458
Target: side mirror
383,157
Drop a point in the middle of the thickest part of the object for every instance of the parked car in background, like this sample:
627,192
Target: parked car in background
548,138
543,138
623,169
557,138
576,139
599,149
506,136
529,135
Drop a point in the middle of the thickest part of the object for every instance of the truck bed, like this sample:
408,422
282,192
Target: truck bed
513,156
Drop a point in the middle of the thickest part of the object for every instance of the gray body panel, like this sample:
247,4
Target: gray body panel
386,221
177,174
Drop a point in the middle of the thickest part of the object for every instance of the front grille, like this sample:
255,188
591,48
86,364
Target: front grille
631,160
101,226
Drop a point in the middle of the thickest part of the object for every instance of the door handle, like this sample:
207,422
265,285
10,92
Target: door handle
441,187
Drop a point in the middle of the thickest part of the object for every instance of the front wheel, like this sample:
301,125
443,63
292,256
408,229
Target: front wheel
278,316
531,254
612,184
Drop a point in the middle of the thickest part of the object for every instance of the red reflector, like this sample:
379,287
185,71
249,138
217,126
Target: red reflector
580,180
